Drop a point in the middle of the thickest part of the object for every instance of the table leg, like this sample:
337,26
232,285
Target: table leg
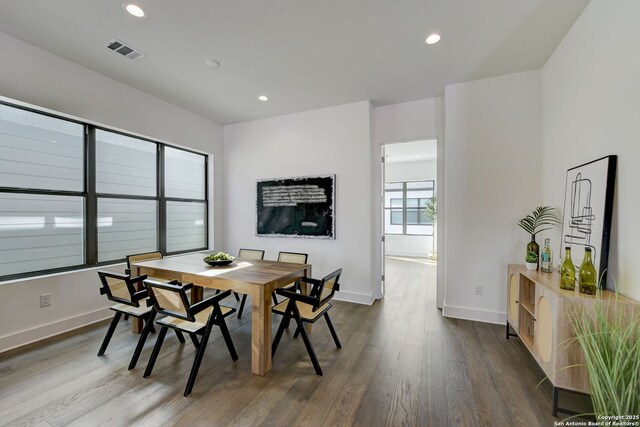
261,331
137,324
197,294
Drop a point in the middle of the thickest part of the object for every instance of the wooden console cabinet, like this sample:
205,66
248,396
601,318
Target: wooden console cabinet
537,313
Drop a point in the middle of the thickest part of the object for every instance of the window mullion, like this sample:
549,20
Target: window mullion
91,202
162,202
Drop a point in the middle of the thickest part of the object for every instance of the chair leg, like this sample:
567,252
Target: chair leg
332,330
275,299
297,332
179,335
235,294
276,340
199,355
107,337
194,340
307,344
227,339
143,338
244,300
155,352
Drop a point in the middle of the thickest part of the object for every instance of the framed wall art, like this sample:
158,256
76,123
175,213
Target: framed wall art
588,204
301,207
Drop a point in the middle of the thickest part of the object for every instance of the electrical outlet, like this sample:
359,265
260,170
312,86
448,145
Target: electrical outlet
478,290
45,300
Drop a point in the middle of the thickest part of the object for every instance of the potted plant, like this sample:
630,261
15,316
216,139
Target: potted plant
534,223
610,341
531,261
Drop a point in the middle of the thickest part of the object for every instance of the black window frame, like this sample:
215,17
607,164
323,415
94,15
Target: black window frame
90,196
405,209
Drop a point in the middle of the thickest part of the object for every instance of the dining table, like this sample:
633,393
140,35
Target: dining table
256,278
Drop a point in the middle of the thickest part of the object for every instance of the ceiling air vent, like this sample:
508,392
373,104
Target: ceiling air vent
125,50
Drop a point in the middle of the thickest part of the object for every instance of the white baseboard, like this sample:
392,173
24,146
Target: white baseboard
48,330
353,297
468,313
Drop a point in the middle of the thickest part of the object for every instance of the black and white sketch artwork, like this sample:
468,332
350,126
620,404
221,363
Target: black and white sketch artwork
588,203
297,207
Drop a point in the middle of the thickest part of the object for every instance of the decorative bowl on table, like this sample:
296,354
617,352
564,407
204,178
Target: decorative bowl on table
219,259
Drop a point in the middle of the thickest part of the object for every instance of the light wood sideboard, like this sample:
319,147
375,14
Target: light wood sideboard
537,313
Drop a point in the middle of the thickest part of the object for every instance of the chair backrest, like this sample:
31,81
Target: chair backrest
147,256
169,299
328,286
118,287
293,257
251,254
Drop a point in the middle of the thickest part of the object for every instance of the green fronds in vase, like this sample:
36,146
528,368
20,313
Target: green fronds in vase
542,216
611,345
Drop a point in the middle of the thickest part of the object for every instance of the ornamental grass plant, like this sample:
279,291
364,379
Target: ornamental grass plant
610,340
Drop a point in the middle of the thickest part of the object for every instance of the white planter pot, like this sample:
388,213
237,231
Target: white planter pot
531,265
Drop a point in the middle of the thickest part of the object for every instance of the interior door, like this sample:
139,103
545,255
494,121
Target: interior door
382,213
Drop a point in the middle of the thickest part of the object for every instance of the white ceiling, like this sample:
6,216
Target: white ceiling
302,54
414,151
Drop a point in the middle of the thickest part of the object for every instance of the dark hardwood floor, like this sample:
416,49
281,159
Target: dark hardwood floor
401,363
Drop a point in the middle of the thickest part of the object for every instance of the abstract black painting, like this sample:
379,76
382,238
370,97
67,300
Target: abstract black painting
588,204
297,207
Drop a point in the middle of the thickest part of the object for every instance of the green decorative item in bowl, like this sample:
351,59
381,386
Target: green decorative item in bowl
218,259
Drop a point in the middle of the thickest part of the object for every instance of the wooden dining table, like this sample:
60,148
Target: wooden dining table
256,278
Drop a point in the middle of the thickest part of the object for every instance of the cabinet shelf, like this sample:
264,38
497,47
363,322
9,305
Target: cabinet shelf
529,307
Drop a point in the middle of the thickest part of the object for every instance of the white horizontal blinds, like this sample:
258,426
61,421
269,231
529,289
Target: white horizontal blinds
184,174
40,232
125,165
40,152
125,227
186,226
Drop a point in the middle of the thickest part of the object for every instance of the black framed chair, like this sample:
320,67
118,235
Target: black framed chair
196,320
121,289
248,254
309,308
292,257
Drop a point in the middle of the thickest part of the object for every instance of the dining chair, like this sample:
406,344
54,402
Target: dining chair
307,308
292,257
121,289
170,299
248,254
147,256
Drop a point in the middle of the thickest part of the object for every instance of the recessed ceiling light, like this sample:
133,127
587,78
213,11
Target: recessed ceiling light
419,155
263,98
433,38
212,63
134,10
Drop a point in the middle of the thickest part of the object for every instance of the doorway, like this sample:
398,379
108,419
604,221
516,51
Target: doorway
409,205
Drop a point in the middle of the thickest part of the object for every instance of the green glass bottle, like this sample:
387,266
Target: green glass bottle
567,271
587,278
532,246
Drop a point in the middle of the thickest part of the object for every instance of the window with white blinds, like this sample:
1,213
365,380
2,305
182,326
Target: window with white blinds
184,174
186,225
40,232
125,227
125,165
74,195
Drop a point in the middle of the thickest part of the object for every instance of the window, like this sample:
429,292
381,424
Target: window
74,195
404,207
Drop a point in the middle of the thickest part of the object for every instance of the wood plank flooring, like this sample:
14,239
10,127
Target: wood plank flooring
401,364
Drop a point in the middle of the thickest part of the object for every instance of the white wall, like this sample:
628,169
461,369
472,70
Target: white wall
407,121
32,75
493,177
331,140
591,104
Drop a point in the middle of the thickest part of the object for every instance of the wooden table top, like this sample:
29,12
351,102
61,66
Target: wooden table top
257,272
